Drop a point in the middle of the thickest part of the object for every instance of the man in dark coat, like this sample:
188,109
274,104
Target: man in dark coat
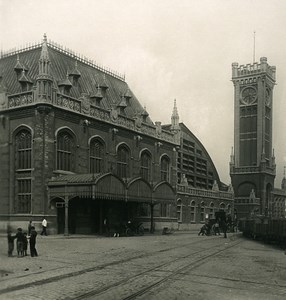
10,243
224,228
33,242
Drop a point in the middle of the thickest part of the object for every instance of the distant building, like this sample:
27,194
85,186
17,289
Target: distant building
278,206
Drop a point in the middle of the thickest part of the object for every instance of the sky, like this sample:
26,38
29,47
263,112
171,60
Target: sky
169,50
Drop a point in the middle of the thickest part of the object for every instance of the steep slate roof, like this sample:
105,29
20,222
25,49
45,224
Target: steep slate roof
65,62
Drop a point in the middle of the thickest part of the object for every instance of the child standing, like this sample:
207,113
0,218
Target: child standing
25,243
20,240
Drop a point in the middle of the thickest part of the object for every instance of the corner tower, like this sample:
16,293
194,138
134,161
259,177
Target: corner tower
252,164
44,90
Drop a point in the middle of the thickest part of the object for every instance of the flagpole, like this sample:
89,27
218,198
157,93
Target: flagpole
254,47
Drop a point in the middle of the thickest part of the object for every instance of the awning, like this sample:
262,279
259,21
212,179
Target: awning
139,191
110,187
163,192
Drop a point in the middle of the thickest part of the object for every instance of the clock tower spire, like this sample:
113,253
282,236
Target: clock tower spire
252,167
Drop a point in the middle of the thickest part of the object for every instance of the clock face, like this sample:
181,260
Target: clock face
248,95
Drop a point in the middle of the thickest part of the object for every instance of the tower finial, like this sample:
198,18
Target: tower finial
175,117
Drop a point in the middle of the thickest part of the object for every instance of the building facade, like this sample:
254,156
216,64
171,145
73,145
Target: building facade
78,148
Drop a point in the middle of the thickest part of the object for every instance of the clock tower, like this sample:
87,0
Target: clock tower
252,165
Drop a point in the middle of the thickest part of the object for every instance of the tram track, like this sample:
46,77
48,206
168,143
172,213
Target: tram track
169,275
100,267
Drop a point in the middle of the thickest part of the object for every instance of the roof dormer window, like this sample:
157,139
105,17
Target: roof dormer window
25,82
75,75
65,85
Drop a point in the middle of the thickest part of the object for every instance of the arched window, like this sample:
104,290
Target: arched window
193,211
165,168
179,210
123,161
65,151
23,161
96,156
23,142
145,165
202,212
222,206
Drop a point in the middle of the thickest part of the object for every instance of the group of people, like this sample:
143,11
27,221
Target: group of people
208,229
25,238
22,241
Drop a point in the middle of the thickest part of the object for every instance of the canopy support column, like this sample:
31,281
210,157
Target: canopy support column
152,229
66,231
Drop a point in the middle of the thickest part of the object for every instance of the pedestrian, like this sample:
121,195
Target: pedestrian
33,237
44,226
10,243
20,240
203,230
106,226
216,228
224,228
29,227
25,244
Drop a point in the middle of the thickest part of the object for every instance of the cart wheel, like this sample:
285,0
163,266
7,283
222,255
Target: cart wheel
128,232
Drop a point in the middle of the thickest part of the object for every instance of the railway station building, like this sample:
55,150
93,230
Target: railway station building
77,147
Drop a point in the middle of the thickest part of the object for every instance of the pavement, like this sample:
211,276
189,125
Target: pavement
59,255
78,264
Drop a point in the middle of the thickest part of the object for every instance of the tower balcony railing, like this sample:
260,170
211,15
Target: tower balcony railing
248,169
252,169
247,200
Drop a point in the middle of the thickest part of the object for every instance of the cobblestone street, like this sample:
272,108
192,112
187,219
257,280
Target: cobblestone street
178,266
